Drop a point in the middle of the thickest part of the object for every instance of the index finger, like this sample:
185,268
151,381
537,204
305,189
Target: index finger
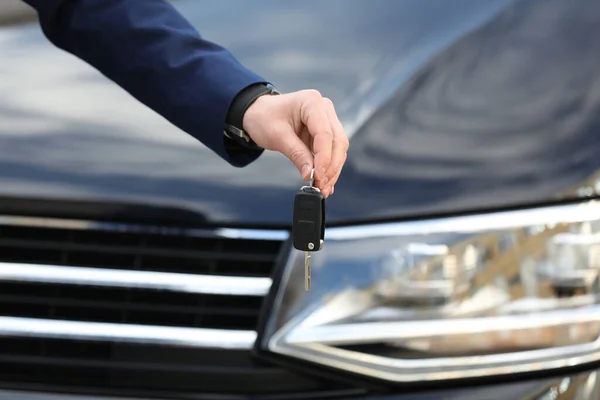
314,117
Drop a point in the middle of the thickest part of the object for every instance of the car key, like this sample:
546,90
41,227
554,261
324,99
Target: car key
308,228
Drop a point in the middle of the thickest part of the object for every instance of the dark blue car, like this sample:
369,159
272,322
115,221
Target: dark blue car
462,249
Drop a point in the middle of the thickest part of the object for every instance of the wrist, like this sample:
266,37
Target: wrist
253,115
236,120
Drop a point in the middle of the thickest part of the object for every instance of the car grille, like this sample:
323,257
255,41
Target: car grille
135,308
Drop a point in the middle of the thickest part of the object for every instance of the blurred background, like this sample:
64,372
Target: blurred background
14,12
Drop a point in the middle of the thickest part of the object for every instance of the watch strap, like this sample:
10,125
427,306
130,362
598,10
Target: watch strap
234,123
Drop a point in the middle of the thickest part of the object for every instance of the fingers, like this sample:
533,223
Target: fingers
314,116
291,146
304,127
339,148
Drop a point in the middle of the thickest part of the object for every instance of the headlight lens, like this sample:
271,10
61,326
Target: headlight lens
447,298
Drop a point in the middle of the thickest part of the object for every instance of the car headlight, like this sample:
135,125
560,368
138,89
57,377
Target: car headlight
451,298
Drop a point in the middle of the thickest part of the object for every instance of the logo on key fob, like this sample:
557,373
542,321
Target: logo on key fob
308,228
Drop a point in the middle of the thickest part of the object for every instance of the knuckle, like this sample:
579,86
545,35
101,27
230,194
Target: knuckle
296,155
328,102
345,144
312,94
343,159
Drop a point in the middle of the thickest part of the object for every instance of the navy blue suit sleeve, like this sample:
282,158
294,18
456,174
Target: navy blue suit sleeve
155,54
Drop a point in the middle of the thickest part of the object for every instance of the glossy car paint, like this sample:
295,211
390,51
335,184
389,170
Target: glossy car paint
451,106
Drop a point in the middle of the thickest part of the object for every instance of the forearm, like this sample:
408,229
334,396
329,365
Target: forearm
150,50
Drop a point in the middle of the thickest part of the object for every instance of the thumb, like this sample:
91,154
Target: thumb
290,145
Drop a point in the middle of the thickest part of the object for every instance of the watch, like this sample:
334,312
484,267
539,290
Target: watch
234,128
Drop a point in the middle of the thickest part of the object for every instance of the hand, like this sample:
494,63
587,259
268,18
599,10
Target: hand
298,125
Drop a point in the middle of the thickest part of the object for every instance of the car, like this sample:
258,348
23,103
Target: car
461,250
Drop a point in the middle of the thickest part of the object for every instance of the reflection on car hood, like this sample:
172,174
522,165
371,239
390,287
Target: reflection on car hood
450,106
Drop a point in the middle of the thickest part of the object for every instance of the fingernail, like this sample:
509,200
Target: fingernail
328,190
305,172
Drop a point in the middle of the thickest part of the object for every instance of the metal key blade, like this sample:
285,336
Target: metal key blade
307,270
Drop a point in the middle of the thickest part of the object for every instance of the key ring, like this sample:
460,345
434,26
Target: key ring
311,183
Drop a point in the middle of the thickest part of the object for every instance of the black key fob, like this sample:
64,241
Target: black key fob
308,228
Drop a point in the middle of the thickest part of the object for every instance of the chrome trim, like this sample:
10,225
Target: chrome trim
377,332
227,233
159,335
587,211
206,284
305,337
253,234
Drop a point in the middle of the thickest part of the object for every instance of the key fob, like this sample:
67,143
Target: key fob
308,227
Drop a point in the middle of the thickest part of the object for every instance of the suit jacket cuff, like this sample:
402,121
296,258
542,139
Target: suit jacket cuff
232,152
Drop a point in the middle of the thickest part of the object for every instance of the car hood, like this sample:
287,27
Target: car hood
450,106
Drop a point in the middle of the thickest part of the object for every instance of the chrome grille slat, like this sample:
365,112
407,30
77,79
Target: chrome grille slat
192,296
82,224
161,335
138,249
177,282
97,306
116,306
